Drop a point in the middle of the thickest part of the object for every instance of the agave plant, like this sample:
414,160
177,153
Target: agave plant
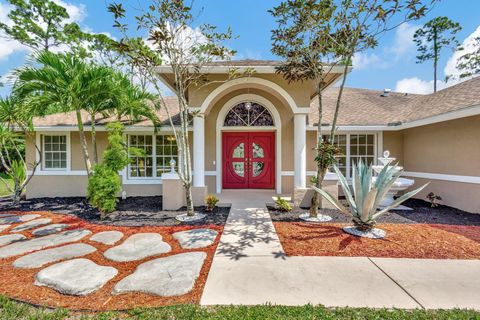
367,194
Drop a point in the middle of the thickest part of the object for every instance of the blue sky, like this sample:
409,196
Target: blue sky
390,65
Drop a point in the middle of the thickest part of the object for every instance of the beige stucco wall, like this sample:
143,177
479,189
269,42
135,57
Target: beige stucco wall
75,185
450,147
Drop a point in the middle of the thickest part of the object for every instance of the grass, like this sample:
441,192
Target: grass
3,189
10,310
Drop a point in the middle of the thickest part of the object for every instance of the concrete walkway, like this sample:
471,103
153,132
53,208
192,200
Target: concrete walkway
250,268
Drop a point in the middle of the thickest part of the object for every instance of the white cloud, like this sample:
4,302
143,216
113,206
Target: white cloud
8,47
363,60
418,86
403,42
468,45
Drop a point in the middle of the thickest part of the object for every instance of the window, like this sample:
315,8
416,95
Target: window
166,150
353,148
248,114
54,152
156,153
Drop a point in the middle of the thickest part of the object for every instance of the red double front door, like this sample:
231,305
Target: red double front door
248,160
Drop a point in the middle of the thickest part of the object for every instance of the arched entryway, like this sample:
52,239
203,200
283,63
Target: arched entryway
248,148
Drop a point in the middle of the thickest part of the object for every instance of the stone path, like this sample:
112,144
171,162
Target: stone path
10,238
9,219
137,247
196,238
76,277
35,244
170,276
49,229
31,224
107,237
249,267
43,257
69,272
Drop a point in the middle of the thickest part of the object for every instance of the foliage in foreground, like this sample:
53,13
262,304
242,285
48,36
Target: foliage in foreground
364,201
104,184
10,310
283,205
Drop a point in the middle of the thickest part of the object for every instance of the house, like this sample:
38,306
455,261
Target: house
259,132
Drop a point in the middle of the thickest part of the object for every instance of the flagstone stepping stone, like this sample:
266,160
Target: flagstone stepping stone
76,277
35,244
137,247
43,257
10,238
4,215
50,229
107,237
31,224
17,219
4,227
196,238
170,276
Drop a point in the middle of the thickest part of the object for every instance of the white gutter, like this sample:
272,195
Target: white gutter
102,128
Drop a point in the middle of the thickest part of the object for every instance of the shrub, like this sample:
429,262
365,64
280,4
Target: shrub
103,188
283,205
211,202
104,184
364,200
433,198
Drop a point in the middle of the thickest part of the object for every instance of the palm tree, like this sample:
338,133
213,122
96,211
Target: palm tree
66,82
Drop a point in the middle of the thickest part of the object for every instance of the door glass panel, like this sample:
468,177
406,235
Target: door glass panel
257,168
258,151
239,168
239,151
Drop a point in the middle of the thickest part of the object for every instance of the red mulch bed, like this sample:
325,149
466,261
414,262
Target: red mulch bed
18,283
427,241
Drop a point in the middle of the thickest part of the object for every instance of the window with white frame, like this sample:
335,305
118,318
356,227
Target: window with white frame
54,148
354,147
154,156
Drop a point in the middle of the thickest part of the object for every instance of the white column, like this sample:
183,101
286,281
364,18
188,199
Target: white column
300,150
198,151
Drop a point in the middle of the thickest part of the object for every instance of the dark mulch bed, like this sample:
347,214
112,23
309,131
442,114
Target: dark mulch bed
131,212
422,213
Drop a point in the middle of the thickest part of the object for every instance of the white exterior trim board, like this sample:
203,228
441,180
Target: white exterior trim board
443,177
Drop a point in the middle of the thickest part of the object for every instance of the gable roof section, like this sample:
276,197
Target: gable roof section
360,107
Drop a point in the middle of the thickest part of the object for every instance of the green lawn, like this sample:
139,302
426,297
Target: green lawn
3,189
14,310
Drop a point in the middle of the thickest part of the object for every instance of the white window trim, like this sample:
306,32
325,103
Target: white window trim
377,148
41,168
127,178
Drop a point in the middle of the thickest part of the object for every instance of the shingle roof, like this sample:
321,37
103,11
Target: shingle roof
70,119
360,107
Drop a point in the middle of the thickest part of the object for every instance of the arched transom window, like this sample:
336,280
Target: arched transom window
248,114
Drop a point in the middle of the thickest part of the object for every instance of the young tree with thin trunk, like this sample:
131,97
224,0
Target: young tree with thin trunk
15,129
314,35
436,35
41,25
186,49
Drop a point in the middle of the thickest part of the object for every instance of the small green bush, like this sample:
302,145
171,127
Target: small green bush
104,184
103,188
283,205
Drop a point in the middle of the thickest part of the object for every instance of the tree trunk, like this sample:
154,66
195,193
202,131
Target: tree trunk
94,139
318,183
83,142
435,59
